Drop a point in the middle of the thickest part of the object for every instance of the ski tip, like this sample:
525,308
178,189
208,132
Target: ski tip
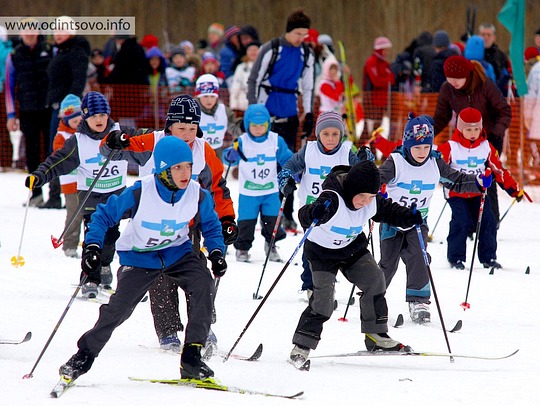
257,354
399,321
492,270
457,327
27,337
528,270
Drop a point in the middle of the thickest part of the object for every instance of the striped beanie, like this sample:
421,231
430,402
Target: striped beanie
94,103
70,107
232,30
469,117
329,119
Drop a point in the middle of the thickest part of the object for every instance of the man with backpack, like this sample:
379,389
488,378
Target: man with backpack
274,82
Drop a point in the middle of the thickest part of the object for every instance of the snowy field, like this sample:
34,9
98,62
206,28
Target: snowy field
503,317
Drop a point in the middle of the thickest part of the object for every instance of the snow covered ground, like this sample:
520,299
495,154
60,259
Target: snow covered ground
503,317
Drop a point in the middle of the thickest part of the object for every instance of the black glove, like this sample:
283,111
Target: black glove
33,181
289,187
413,217
117,140
307,127
219,266
229,230
320,211
91,262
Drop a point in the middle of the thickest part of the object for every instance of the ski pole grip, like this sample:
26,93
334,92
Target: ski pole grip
413,208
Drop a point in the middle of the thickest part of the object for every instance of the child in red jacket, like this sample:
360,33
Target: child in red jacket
469,151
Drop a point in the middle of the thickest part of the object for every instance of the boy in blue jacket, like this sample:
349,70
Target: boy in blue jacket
155,242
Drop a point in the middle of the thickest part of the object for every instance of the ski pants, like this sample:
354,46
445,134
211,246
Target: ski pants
164,299
405,245
133,283
464,216
73,234
249,208
365,275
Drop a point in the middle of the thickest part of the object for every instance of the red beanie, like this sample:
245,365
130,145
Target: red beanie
457,67
149,41
469,117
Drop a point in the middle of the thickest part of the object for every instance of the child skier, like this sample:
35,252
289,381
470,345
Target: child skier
314,162
216,118
411,174
70,111
257,153
81,152
179,74
338,243
469,151
183,118
155,242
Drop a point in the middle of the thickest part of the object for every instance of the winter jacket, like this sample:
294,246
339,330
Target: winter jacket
496,113
501,175
58,143
239,87
377,78
26,76
67,70
125,206
532,102
387,212
501,65
228,57
129,64
331,92
437,69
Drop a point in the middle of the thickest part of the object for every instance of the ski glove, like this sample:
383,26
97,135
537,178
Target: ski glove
307,127
287,185
413,217
484,180
364,154
91,262
231,155
33,181
320,211
518,194
229,230
117,140
219,266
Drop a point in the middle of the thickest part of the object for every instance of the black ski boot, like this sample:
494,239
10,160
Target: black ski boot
191,365
77,365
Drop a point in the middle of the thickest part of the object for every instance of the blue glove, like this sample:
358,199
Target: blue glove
484,180
231,155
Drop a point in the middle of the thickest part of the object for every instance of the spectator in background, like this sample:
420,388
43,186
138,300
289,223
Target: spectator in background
98,60
210,65
537,39
496,57
474,51
276,87
239,88
441,43
327,44
27,80
129,64
5,50
422,57
193,58
179,73
230,54
532,98
248,35
214,41
156,68
378,79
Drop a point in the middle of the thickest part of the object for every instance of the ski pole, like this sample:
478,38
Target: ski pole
56,242
83,280
274,232
465,305
227,171
313,224
344,318
430,237
426,261
18,261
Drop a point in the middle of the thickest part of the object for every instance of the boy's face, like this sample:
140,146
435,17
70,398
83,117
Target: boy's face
333,72
210,67
186,132
258,130
74,122
179,60
98,122
472,133
181,174
253,51
330,137
208,101
296,36
362,199
420,152
154,62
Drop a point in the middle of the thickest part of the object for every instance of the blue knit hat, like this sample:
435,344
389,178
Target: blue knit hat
94,103
170,151
70,107
418,131
256,114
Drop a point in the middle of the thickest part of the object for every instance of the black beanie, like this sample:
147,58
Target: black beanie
363,177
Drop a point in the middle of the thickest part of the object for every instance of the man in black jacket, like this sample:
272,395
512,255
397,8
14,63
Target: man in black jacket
26,79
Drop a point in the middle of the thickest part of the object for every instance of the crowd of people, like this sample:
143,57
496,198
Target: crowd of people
182,168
